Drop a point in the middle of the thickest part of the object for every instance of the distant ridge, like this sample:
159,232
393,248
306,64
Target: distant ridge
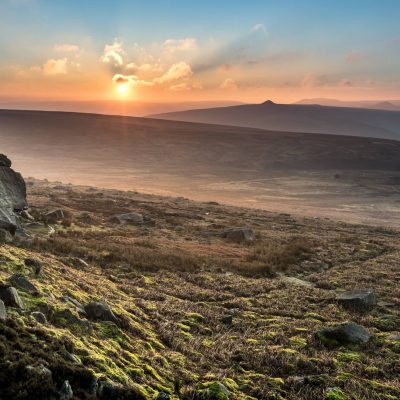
313,118
393,105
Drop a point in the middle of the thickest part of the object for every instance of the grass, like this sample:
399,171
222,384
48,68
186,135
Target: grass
173,288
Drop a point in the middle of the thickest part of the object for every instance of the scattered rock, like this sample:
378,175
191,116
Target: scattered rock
36,264
66,392
127,219
99,310
395,337
214,391
238,235
38,371
54,216
81,263
39,316
347,333
25,214
23,283
5,236
67,317
10,296
76,303
357,300
163,396
3,313
296,281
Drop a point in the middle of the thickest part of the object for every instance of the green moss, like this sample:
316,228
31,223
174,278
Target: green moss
348,356
213,391
335,394
298,341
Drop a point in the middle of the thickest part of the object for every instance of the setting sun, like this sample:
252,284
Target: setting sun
122,89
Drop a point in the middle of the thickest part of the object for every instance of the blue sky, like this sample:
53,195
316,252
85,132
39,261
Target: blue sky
265,45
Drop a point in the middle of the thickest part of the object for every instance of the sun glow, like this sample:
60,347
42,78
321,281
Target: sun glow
122,89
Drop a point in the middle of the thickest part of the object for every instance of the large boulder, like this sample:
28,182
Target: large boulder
12,195
238,235
130,218
99,310
10,296
357,300
343,334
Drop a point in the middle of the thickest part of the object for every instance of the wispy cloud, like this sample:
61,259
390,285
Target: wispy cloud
259,28
113,54
228,84
55,67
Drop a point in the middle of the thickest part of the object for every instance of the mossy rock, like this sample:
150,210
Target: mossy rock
212,391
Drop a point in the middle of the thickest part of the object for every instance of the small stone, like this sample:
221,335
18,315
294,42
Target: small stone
36,264
10,296
54,216
357,300
39,316
131,218
348,333
23,283
99,310
3,313
66,392
238,235
25,214
163,396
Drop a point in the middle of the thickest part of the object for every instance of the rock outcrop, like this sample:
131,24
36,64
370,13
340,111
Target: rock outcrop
12,195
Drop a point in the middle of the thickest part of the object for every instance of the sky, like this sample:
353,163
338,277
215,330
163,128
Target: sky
166,51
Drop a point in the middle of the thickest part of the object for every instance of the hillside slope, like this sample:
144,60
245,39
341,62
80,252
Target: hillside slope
194,315
298,118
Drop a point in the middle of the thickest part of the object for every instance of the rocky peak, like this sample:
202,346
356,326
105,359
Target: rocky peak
12,195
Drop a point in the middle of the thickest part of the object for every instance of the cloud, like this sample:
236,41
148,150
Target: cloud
146,67
113,54
131,80
176,72
55,67
229,84
180,87
173,46
259,28
181,70
66,48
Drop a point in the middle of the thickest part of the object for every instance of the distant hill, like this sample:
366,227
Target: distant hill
392,105
298,118
111,107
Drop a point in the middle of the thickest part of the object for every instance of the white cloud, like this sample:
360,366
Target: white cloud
229,84
259,28
173,46
55,67
113,54
66,48
180,70
180,87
